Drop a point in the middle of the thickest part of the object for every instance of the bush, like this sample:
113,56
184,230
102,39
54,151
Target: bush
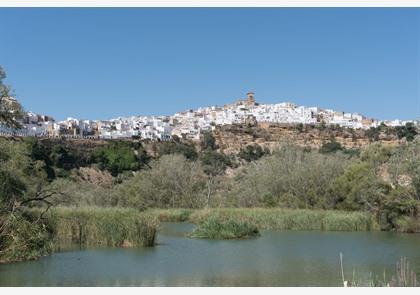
172,147
408,131
290,177
172,182
407,224
24,238
251,152
208,142
214,163
331,147
358,188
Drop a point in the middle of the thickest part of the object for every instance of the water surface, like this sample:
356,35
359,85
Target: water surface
284,258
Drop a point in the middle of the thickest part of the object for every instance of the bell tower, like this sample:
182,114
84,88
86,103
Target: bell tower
250,100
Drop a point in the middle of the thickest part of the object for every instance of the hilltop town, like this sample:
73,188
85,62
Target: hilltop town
190,124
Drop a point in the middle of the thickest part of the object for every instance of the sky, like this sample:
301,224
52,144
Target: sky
101,63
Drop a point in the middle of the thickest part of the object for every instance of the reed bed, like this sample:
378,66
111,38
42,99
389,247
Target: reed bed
102,227
218,229
288,219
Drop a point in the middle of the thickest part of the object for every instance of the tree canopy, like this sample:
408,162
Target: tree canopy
10,109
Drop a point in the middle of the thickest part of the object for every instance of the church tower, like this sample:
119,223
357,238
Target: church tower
250,100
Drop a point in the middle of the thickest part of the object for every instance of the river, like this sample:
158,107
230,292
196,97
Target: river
282,258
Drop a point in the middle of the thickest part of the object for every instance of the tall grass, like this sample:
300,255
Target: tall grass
215,228
287,219
404,276
107,227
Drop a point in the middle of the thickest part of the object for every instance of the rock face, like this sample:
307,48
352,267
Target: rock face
95,176
230,138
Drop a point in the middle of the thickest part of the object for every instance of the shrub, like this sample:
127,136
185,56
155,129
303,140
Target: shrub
208,142
331,147
24,238
251,152
173,147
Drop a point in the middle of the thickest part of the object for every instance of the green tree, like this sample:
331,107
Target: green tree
408,131
208,142
358,188
404,167
23,185
120,156
251,152
401,210
214,165
331,147
373,133
10,110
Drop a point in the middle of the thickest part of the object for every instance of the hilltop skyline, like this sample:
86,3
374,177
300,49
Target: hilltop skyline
79,63
227,103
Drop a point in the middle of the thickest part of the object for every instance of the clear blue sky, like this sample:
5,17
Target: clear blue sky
101,63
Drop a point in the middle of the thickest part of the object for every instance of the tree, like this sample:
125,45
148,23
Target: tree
23,185
408,131
10,109
120,156
214,165
373,133
358,188
176,147
331,147
171,182
251,152
208,142
404,167
289,177
300,127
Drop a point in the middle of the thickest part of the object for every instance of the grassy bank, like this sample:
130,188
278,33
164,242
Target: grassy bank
277,219
97,227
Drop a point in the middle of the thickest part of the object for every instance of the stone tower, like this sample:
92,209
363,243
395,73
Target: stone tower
250,100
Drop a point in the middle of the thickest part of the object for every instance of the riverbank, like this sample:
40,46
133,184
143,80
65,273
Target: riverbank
275,218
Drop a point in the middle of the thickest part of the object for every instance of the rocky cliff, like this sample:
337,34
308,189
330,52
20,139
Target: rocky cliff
230,138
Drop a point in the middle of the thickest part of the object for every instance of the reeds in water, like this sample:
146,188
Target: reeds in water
103,227
218,229
291,219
